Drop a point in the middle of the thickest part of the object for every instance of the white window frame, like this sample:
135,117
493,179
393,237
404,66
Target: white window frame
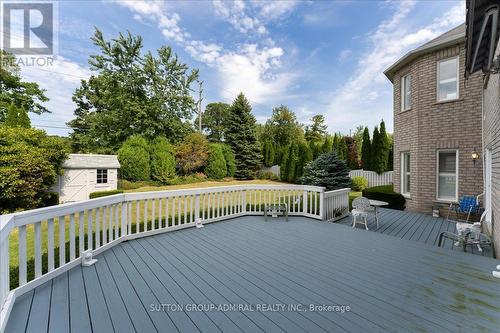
405,174
457,159
403,106
458,79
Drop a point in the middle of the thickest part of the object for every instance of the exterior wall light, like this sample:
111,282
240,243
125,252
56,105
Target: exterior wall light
475,156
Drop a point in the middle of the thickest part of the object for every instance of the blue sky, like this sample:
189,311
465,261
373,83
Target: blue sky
321,57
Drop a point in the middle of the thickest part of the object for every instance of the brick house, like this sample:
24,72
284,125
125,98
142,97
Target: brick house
437,124
483,58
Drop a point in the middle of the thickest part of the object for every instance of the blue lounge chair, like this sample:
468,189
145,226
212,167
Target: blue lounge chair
467,205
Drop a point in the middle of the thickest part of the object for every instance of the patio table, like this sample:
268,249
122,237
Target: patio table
376,204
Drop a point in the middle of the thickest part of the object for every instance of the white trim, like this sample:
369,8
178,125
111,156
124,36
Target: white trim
403,93
488,165
458,79
404,173
457,159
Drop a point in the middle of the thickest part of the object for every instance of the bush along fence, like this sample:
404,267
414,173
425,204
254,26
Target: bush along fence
374,179
39,244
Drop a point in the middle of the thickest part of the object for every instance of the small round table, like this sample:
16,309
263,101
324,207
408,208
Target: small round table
376,204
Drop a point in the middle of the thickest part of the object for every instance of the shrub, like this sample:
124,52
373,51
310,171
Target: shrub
51,199
216,165
358,183
162,160
192,153
134,159
386,193
124,184
100,194
264,174
230,160
327,171
29,164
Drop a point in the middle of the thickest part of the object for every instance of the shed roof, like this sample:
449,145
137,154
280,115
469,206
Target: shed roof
449,38
91,161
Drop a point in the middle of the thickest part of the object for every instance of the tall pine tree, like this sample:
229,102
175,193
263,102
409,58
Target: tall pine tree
23,120
378,161
12,117
366,150
384,151
242,138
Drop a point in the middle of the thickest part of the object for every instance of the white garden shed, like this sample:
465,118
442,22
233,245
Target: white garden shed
86,173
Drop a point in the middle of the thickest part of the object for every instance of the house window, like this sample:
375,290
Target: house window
102,176
447,177
406,92
447,84
405,174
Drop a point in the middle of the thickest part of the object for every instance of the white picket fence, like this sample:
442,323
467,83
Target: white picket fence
374,179
95,225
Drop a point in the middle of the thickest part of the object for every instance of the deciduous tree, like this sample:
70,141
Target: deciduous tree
131,93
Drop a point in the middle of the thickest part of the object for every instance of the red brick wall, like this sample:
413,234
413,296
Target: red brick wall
430,126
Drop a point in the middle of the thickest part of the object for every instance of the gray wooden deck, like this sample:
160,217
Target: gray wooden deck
390,284
416,227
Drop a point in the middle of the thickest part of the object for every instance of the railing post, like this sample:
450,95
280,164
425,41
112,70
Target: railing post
123,231
304,202
322,204
197,207
244,200
4,261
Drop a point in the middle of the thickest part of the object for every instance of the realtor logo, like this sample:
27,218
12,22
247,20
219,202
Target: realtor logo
28,28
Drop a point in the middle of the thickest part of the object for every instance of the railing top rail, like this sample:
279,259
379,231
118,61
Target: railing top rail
218,189
336,192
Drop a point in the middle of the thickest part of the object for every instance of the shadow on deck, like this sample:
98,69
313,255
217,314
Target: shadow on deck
307,270
416,227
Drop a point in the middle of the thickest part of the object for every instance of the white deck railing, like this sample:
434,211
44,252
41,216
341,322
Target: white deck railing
58,235
336,204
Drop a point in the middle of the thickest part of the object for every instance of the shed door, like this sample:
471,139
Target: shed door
74,185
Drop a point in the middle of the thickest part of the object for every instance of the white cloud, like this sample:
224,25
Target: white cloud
344,55
358,96
60,80
235,13
252,69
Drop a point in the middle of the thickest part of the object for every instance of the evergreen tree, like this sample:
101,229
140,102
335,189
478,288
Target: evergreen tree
336,142
327,145
242,138
134,159
317,130
305,156
288,169
366,150
342,149
162,160
327,171
216,165
384,144
268,153
230,162
23,120
12,118
378,160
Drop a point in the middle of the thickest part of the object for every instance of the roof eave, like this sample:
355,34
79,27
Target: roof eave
410,56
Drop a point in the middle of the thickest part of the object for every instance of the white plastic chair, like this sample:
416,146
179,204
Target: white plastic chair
361,208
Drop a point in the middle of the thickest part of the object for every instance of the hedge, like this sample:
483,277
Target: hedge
386,193
100,194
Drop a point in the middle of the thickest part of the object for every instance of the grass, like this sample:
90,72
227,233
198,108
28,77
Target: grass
204,184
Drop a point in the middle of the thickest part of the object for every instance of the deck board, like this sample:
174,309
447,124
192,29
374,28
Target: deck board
415,227
394,279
